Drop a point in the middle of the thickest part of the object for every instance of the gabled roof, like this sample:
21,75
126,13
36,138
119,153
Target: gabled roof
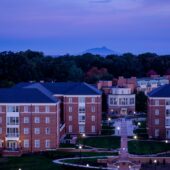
24,95
65,88
163,91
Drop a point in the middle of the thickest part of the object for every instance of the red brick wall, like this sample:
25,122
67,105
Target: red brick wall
88,114
151,118
53,126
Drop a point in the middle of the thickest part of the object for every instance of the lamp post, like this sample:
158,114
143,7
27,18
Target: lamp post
135,137
80,147
109,119
166,141
83,136
118,130
155,162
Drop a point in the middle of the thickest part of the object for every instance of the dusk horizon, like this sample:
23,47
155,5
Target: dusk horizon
63,26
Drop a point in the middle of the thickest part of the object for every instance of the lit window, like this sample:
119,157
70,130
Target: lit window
70,100
93,99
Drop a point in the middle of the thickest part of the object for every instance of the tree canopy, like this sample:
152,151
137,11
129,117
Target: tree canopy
35,66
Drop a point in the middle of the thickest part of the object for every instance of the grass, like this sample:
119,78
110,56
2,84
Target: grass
29,163
42,161
110,142
147,147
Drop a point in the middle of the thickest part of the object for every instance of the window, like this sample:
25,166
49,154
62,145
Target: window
0,130
0,108
70,128
47,120
92,118
70,109
26,131
81,99
70,100
93,129
82,118
13,108
36,120
156,112
81,109
12,132
0,119
157,102
37,131
156,132
93,109
47,143
132,101
12,120
70,118
47,131
26,143
47,109
26,109
37,109
156,121
167,122
37,143
26,119
168,112
93,99
81,128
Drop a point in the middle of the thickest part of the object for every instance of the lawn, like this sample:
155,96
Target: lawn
147,147
110,142
42,161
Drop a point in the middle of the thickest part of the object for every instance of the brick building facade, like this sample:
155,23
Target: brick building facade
159,113
34,116
29,120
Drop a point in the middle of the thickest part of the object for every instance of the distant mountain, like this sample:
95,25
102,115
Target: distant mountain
103,51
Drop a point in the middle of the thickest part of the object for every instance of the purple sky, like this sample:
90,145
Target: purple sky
61,26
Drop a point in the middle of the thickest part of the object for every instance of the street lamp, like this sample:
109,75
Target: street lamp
155,162
118,129
139,124
80,147
135,137
87,165
109,119
83,136
166,141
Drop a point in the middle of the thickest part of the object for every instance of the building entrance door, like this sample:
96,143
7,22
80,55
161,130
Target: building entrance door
123,111
12,145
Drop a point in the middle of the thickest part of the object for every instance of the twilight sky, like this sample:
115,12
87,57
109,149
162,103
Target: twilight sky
63,26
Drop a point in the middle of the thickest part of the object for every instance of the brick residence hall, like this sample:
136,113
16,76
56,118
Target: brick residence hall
35,116
159,113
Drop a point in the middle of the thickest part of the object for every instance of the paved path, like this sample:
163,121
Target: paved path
124,140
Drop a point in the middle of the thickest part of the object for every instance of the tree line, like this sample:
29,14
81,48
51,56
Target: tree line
35,66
